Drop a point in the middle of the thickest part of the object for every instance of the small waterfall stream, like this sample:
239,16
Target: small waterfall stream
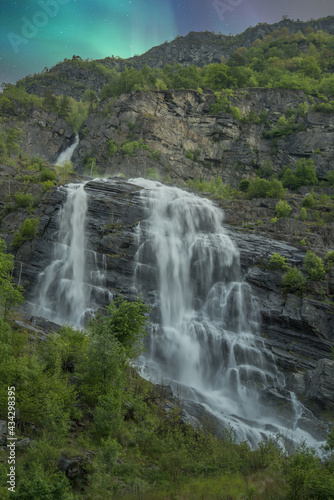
204,340
72,287
67,154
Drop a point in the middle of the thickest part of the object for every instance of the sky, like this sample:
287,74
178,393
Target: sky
35,34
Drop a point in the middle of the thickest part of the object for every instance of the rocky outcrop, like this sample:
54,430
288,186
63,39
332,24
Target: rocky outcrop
316,386
177,123
46,134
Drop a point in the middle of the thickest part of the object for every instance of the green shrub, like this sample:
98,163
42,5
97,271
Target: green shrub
293,282
314,266
329,259
47,185
112,148
263,188
330,177
48,175
303,214
277,261
23,200
284,126
215,187
282,209
244,185
308,201
26,231
305,175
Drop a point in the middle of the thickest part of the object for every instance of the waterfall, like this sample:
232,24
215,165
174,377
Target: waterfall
72,287
204,339
67,154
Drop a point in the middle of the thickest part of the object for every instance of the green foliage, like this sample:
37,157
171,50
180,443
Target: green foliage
307,477
215,187
263,188
130,148
64,171
303,214
64,106
308,201
314,266
329,259
127,322
293,282
25,200
304,175
47,185
48,175
284,126
282,209
42,486
27,230
13,137
330,177
112,148
3,147
193,154
244,185
10,295
277,261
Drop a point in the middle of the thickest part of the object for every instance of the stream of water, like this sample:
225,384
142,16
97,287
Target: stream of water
72,287
204,340
67,154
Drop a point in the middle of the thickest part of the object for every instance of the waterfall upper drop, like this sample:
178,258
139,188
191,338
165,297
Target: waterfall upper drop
72,287
204,339
67,154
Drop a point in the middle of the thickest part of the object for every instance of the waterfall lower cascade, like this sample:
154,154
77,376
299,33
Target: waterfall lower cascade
72,287
67,154
204,340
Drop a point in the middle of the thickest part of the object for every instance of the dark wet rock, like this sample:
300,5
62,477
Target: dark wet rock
72,467
23,443
320,383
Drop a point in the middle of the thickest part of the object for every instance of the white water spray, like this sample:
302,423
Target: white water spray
72,286
205,343
66,155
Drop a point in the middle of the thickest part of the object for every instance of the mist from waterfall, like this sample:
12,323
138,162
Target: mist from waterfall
72,287
204,340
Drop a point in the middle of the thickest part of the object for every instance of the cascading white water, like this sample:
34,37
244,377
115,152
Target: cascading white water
68,153
72,287
205,340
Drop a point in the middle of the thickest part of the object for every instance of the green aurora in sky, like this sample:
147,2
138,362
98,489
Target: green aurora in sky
39,33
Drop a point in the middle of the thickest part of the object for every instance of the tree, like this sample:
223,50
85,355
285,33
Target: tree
216,76
50,101
314,266
91,97
10,295
65,107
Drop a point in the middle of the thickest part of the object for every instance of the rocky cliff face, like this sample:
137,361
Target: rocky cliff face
179,122
300,332
45,133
